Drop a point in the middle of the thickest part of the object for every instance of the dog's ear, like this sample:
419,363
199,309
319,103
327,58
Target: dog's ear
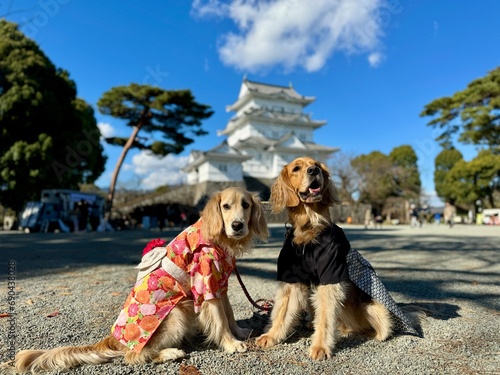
330,194
258,222
212,217
282,193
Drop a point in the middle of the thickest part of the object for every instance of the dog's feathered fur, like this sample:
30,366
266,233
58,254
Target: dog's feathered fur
305,189
232,218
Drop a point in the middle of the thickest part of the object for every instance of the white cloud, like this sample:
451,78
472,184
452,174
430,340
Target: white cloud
128,167
375,59
156,171
204,8
106,129
295,33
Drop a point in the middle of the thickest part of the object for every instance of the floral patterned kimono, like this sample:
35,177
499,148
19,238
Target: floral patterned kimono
188,266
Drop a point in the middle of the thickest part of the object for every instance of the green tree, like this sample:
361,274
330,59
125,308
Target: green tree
173,116
467,182
383,176
406,176
443,164
375,177
49,137
473,114
470,116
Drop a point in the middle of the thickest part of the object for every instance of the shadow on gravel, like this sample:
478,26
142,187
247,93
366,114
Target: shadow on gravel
427,278
434,310
436,290
437,310
39,253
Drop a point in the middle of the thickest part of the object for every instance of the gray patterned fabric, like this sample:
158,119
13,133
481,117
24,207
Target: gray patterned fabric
362,274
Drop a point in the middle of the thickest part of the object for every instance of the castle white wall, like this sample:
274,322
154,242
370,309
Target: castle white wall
192,178
220,171
245,132
279,106
256,129
260,165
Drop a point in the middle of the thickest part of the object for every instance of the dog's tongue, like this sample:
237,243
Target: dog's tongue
314,191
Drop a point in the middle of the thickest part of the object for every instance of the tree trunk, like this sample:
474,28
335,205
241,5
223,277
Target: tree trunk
491,199
114,177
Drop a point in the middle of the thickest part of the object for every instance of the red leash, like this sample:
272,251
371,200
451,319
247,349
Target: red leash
267,304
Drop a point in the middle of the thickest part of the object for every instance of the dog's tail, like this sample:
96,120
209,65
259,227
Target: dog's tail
67,357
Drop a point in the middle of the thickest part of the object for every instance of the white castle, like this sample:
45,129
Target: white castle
268,131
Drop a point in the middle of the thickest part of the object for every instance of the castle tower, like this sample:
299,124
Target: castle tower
269,130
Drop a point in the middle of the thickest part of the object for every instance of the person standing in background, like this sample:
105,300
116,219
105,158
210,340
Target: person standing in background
414,219
449,214
368,218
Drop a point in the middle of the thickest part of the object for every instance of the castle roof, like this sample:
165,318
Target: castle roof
250,89
222,152
271,116
289,142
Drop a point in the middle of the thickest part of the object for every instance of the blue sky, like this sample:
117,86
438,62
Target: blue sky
372,65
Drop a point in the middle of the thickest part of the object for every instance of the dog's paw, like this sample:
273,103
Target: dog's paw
169,354
242,333
265,341
319,353
235,346
344,330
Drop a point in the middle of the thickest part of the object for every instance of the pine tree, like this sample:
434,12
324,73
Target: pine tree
173,116
49,137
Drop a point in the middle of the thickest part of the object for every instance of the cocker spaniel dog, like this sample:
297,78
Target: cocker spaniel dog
319,272
181,289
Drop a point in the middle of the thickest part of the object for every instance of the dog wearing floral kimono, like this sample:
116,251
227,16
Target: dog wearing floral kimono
178,285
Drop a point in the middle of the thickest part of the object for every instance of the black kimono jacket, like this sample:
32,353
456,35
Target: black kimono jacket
331,260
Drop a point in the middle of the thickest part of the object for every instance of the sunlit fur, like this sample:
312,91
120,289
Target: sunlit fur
338,308
215,320
230,206
307,218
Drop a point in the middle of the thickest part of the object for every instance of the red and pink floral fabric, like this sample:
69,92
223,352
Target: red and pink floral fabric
154,296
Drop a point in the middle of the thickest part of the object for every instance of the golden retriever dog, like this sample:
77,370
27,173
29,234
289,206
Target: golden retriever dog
319,272
181,290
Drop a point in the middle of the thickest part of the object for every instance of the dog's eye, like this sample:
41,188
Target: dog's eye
245,205
296,168
226,206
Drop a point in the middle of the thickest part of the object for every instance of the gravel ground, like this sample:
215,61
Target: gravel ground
70,288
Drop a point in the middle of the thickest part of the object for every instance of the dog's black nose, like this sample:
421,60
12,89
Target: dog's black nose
237,225
313,171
